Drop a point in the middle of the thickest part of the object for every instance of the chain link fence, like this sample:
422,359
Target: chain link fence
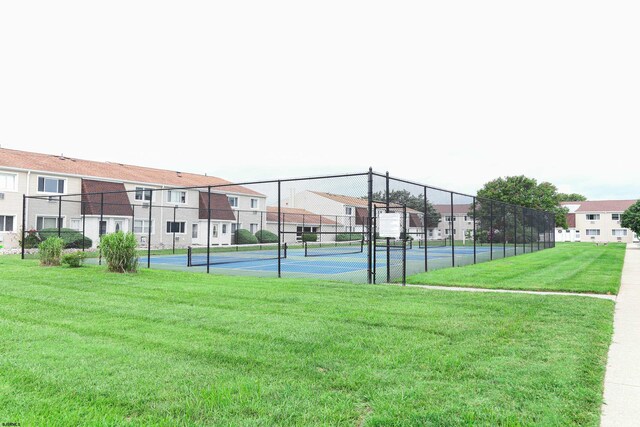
328,227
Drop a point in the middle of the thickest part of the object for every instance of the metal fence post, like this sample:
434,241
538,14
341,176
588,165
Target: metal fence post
59,216
491,231
84,223
426,230
515,230
24,224
173,228
404,245
370,224
100,227
150,228
504,230
280,231
209,229
453,234
388,240
474,232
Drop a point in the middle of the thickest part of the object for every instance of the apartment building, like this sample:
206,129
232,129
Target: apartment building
349,213
596,221
457,217
103,197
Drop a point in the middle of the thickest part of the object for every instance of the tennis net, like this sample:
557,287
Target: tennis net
382,244
333,248
197,256
434,243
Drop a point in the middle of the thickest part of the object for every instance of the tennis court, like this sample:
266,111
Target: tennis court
329,260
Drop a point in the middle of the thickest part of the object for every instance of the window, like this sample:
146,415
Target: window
194,231
593,217
449,218
430,233
254,203
143,194
466,218
348,210
141,226
592,232
103,228
234,227
43,222
615,217
619,232
253,228
50,185
119,225
447,231
8,181
301,230
214,230
224,228
76,224
6,223
176,227
176,196
233,202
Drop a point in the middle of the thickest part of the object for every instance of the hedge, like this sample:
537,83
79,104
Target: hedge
244,237
346,237
72,238
309,237
265,236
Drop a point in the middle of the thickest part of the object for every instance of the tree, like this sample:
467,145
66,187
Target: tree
524,191
631,218
571,197
404,197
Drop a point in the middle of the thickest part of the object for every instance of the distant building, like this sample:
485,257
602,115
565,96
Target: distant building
596,221
179,216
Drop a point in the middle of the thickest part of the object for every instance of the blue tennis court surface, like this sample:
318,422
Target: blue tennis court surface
331,264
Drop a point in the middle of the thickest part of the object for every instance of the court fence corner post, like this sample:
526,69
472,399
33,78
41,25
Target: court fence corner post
369,225
24,225
150,229
209,228
279,230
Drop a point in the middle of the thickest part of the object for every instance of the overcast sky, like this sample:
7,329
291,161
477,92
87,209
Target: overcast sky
452,94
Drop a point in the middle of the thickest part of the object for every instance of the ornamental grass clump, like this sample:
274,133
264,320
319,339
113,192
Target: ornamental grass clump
50,251
120,251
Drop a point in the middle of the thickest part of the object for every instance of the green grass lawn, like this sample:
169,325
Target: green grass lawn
84,346
571,267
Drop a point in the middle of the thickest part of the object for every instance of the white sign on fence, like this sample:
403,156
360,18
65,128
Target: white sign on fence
389,225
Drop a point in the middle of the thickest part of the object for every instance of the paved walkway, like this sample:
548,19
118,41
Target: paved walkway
622,380
514,291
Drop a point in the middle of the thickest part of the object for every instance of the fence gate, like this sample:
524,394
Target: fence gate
389,254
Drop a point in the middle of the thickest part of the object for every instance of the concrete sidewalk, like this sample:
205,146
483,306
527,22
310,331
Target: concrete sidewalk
622,381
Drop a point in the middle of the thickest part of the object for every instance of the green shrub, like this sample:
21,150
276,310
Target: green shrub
50,251
265,236
244,237
72,238
31,239
346,237
74,259
309,237
120,251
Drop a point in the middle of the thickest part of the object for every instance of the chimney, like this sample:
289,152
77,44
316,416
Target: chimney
292,198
